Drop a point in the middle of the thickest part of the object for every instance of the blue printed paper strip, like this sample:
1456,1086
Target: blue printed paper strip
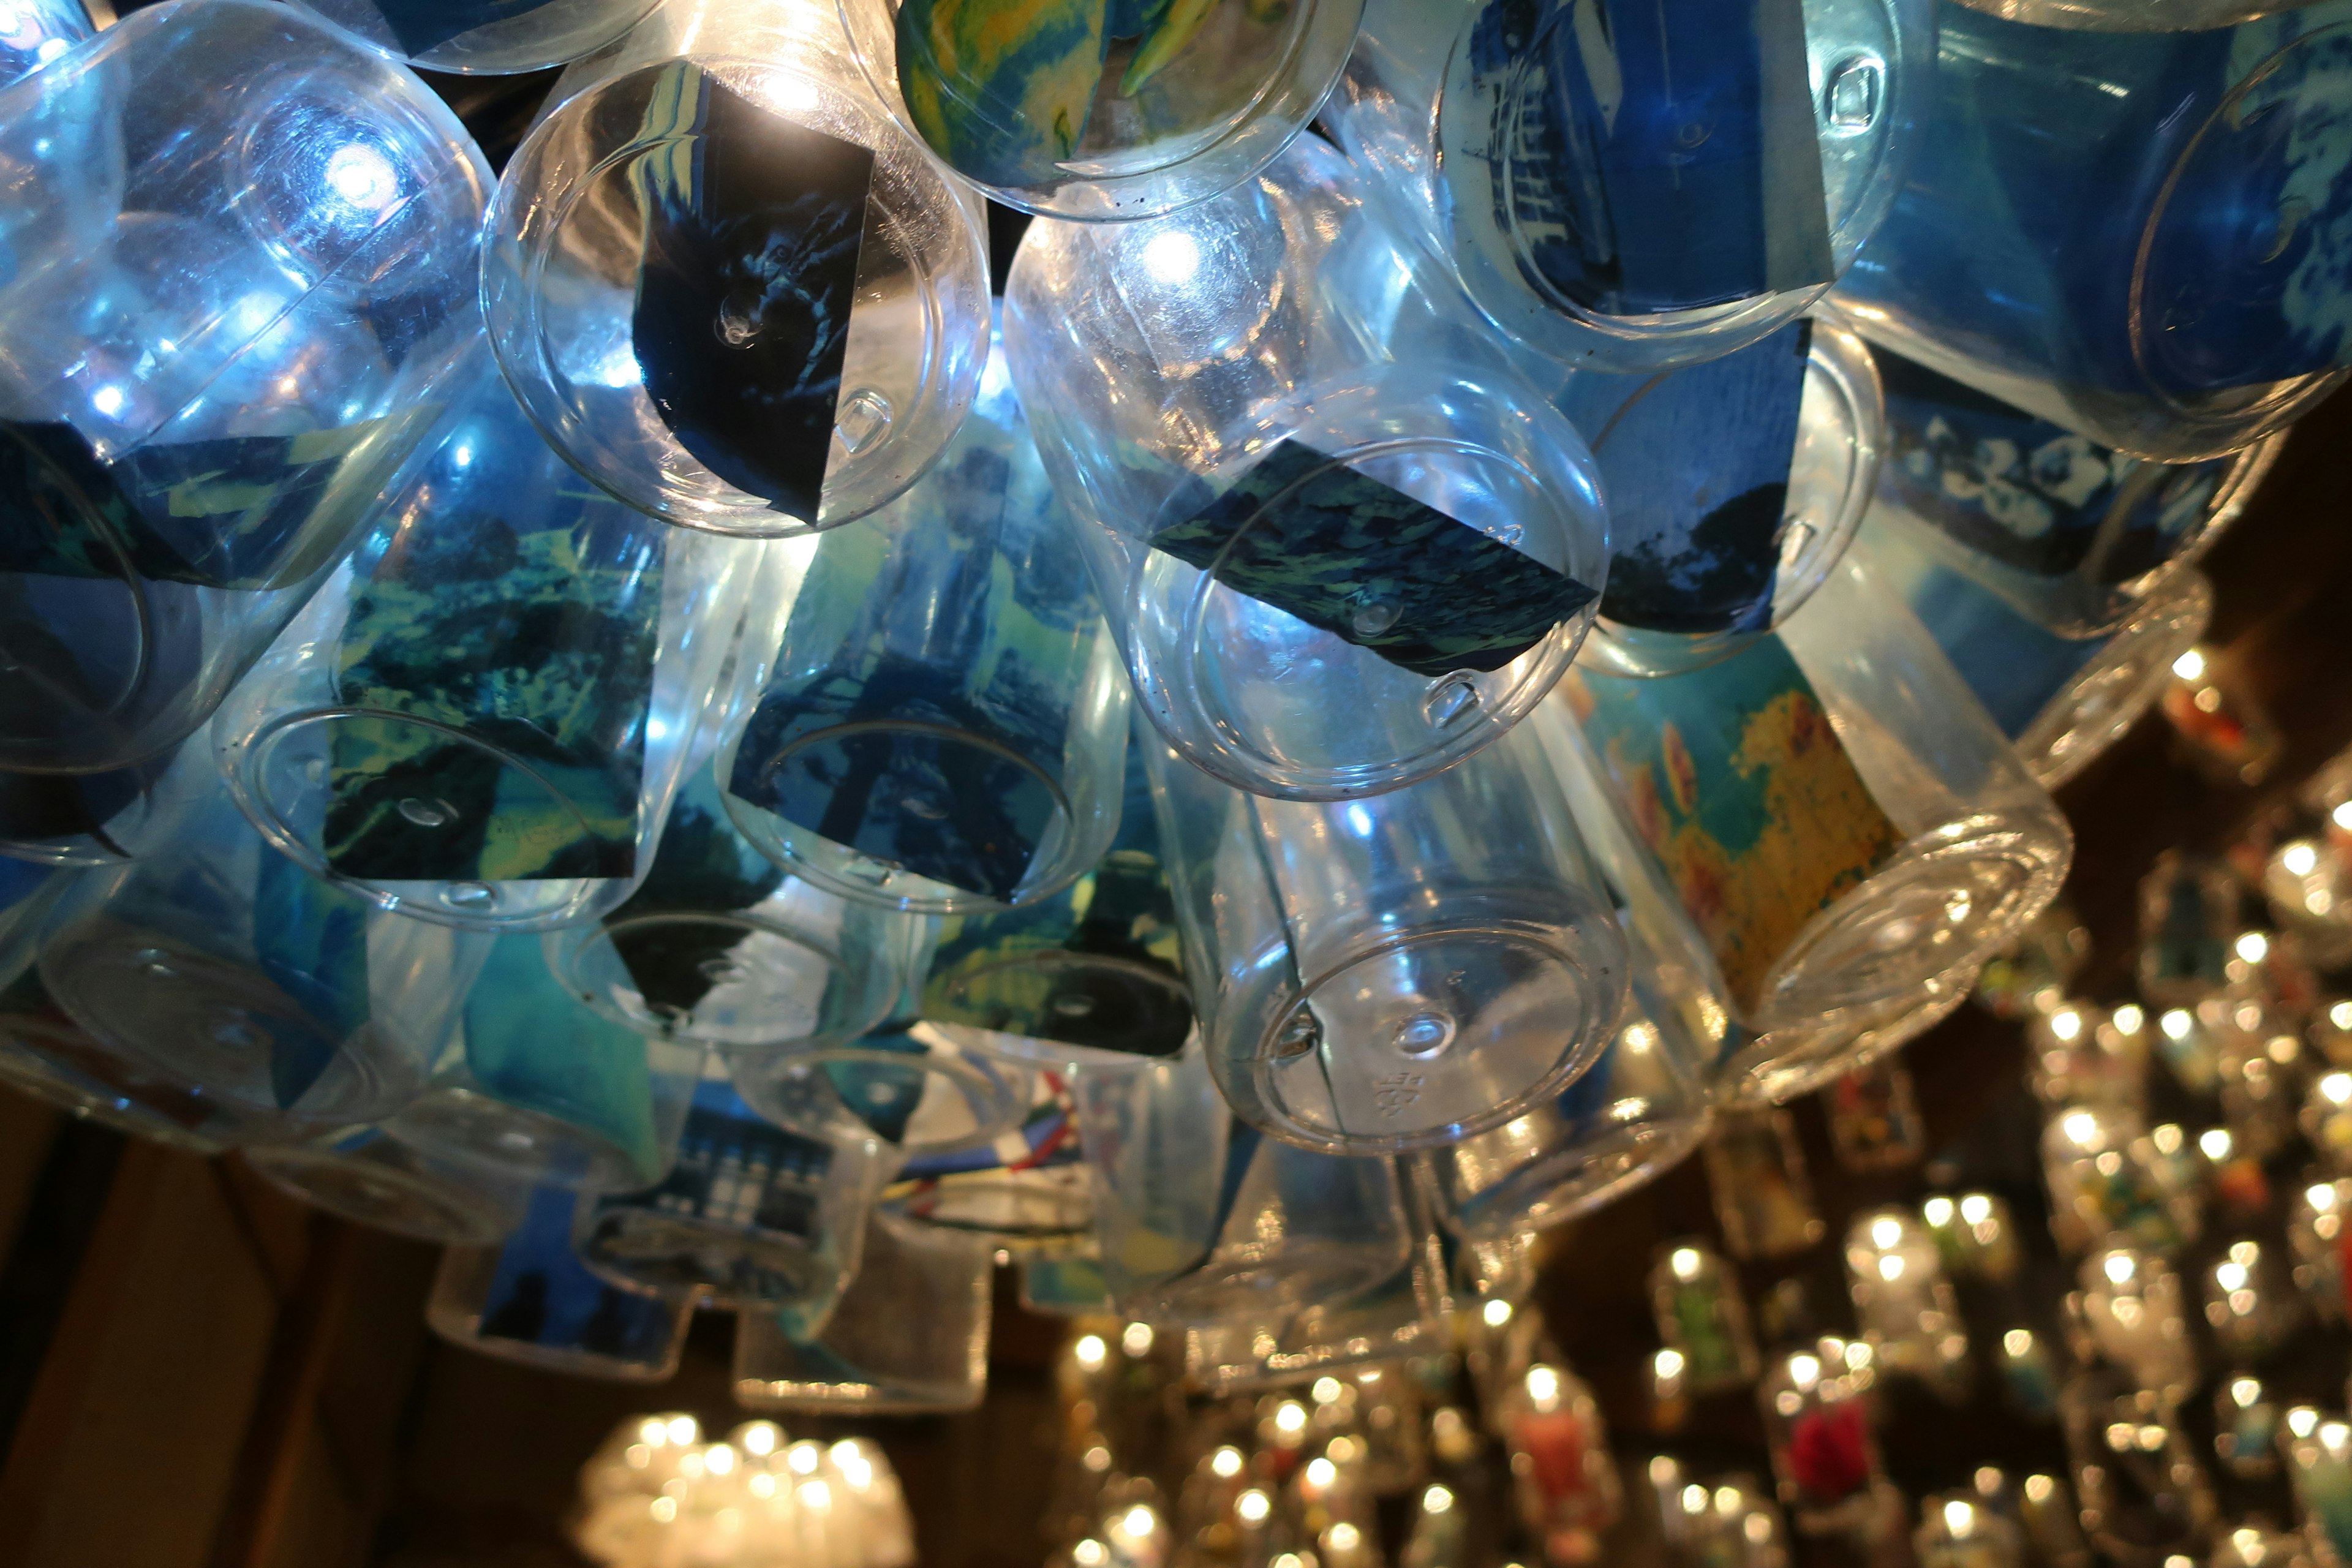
1638,157
1696,466
309,938
1368,563
535,1047
753,226
2028,493
704,866
541,1294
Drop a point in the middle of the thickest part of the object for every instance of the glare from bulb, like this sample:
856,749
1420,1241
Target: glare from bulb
1890,1268
1326,1391
1976,1208
1693,1498
1667,1363
2080,1126
1885,1231
1290,1416
1804,1371
1436,1499
1139,1522
1136,1339
684,1430
1543,1387
2066,1024
2253,946
1225,1463
664,1510
2245,1393
2300,857
2039,1488
2017,1343
1344,1537
2302,1420
761,1437
1961,1519
1321,1473
1937,1211
1172,257
1253,1507
2337,1087
2176,1022
2214,1144
1090,1351
2119,1267
1497,1313
802,1457
816,1496
1090,1554
2189,666
719,1459
1685,1262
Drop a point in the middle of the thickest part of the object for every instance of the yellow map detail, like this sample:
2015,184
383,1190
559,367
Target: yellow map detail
1824,833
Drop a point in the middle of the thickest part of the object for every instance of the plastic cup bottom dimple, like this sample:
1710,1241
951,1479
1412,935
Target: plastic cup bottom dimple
732,1267
474,1128
405,1200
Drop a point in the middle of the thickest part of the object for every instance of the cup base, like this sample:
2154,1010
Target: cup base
404,1199
475,1130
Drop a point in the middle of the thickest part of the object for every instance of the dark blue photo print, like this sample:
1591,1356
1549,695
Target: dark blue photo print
1642,156
2028,493
752,230
1361,559
541,1295
1696,466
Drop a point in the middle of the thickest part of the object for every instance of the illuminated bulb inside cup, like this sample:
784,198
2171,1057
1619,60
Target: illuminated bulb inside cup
2176,1023
1172,257
2215,1143
2119,1267
1668,1364
1090,1351
1693,1498
684,1430
1225,1463
1290,1416
1937,1211
1497,1313
1961,1519
2336,1088
1436,1499
2300,858
2128,1018
2253,946
2189,666
802,1456
1804,1371
2080,1126
2066,1024
1885,1232
1543,1388
1090,1554
1321,1473
1976,1208
2017,1343
1137,1339
1685,1262
1325,1391
362,177
1253,1506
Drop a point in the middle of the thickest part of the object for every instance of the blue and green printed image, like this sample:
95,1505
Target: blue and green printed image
753,226
1016,92
514,611
1368,563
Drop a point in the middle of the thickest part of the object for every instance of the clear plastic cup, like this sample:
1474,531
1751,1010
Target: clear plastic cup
1381,975
1638,193
1835,811
368,1177
36,32
2073,535
240,255
1107,114
2120,232
1199,1218
718,945
921,1094
483,37
1331,571
220,967
940,721
103,818
483,717
538,1086
1095,974
733,293
532,1300
877,1354
750,1216
2061,702
1028,1195
1734,488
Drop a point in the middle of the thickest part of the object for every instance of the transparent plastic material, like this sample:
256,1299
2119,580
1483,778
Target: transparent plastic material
2143,1491
1817,1424
538,1087
45,1054
482,719
532,1300
2135,237
2062,702
1762,1192
366,1176
1684,590
104,819
1379,975
942,720
1645,1103
486,37
1199,1217
2076,536
1103,113
734,294
916,1090
1028,1195
1554,172
718,945
1695,1303
222,968
1869,835
1904,1305
2134,15
2107,1186
239,257
1330,574
36,32
1280,1344
875,1354
750,1216
1093,975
